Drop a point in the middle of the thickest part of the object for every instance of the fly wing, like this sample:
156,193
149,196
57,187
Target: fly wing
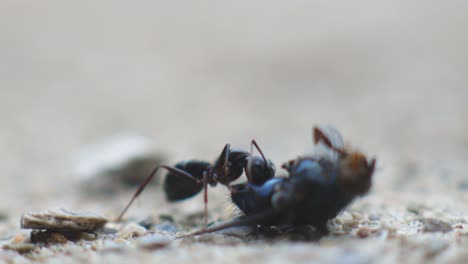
321,150
333,135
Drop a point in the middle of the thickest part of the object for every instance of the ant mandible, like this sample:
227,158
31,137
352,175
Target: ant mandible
188,178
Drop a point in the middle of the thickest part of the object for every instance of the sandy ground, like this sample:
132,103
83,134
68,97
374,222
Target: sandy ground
391,76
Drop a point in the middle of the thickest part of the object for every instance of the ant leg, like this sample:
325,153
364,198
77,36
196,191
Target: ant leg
247,171
246,221
142,186
205,196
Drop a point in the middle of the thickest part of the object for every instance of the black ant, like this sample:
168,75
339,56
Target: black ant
317,189
188,178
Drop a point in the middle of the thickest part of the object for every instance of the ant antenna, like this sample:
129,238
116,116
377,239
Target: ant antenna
254,143
319,136
148,179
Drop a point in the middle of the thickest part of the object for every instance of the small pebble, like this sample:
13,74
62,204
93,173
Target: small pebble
111,228
363,232
48,237
132,230
62,220
436,225
20,238
166,217
147,223
88,236
374,217
416,208
154,241
167,227
356,215
350,225
113,247
21,248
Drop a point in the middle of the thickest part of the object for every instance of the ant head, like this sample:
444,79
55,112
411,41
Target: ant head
259,170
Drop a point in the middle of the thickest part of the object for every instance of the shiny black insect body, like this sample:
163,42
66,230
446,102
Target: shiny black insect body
318,188
188,178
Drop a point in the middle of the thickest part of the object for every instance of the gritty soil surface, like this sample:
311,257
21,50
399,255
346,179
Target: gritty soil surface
391,77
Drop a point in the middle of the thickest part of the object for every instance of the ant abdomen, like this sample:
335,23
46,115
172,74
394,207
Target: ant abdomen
180,188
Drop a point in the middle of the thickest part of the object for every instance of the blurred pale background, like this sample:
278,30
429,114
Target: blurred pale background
195,75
